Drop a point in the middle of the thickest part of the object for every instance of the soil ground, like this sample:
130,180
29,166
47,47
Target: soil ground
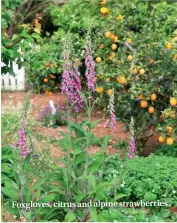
11,100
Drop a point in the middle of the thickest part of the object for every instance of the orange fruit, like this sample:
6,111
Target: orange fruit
130,58
113,54
168,46
109,91
114,46
173,115
50,93
99,89
151,60
101,46
108,79
122,80
173,102
107,34
46,80
112,37
116,39
135,71
52,76
142,71
119,17
104,2
110,58
169,141
144,104
175,56
129,40
140,96
170,129
153,97
104,10
151,110
162,116
161,139
98,59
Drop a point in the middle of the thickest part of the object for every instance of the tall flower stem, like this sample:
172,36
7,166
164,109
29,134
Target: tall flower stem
89,109
90,76
69,150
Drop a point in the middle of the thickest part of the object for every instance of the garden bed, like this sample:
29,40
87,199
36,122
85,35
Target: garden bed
14,101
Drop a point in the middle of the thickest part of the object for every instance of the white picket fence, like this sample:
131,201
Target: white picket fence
17,82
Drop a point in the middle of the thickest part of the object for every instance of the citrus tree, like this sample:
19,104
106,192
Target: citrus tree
44,66
135,50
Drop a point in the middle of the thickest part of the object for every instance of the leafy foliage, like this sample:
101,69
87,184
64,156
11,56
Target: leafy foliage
14,46
155,180
44,67
142,63
166,150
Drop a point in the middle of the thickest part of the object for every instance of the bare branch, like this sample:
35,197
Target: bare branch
29,5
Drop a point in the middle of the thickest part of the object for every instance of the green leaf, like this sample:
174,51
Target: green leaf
119,196
14,37
70,217
80,197
93,124
25,34
47,198
150,196
93,214
27,160
11,193
92,181
79,131
5,168
36,36
37,30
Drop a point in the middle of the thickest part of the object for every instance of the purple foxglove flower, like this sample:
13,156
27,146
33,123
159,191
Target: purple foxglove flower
132,148
106,124
22,139
90,67
71,84
132,144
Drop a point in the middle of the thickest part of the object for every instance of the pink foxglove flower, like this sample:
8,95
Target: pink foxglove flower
71,83
90,65
111,122
22,139
132,144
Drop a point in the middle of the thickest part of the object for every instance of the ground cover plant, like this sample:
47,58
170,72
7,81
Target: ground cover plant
117,58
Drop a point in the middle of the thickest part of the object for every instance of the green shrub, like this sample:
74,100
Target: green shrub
166,150
10,125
